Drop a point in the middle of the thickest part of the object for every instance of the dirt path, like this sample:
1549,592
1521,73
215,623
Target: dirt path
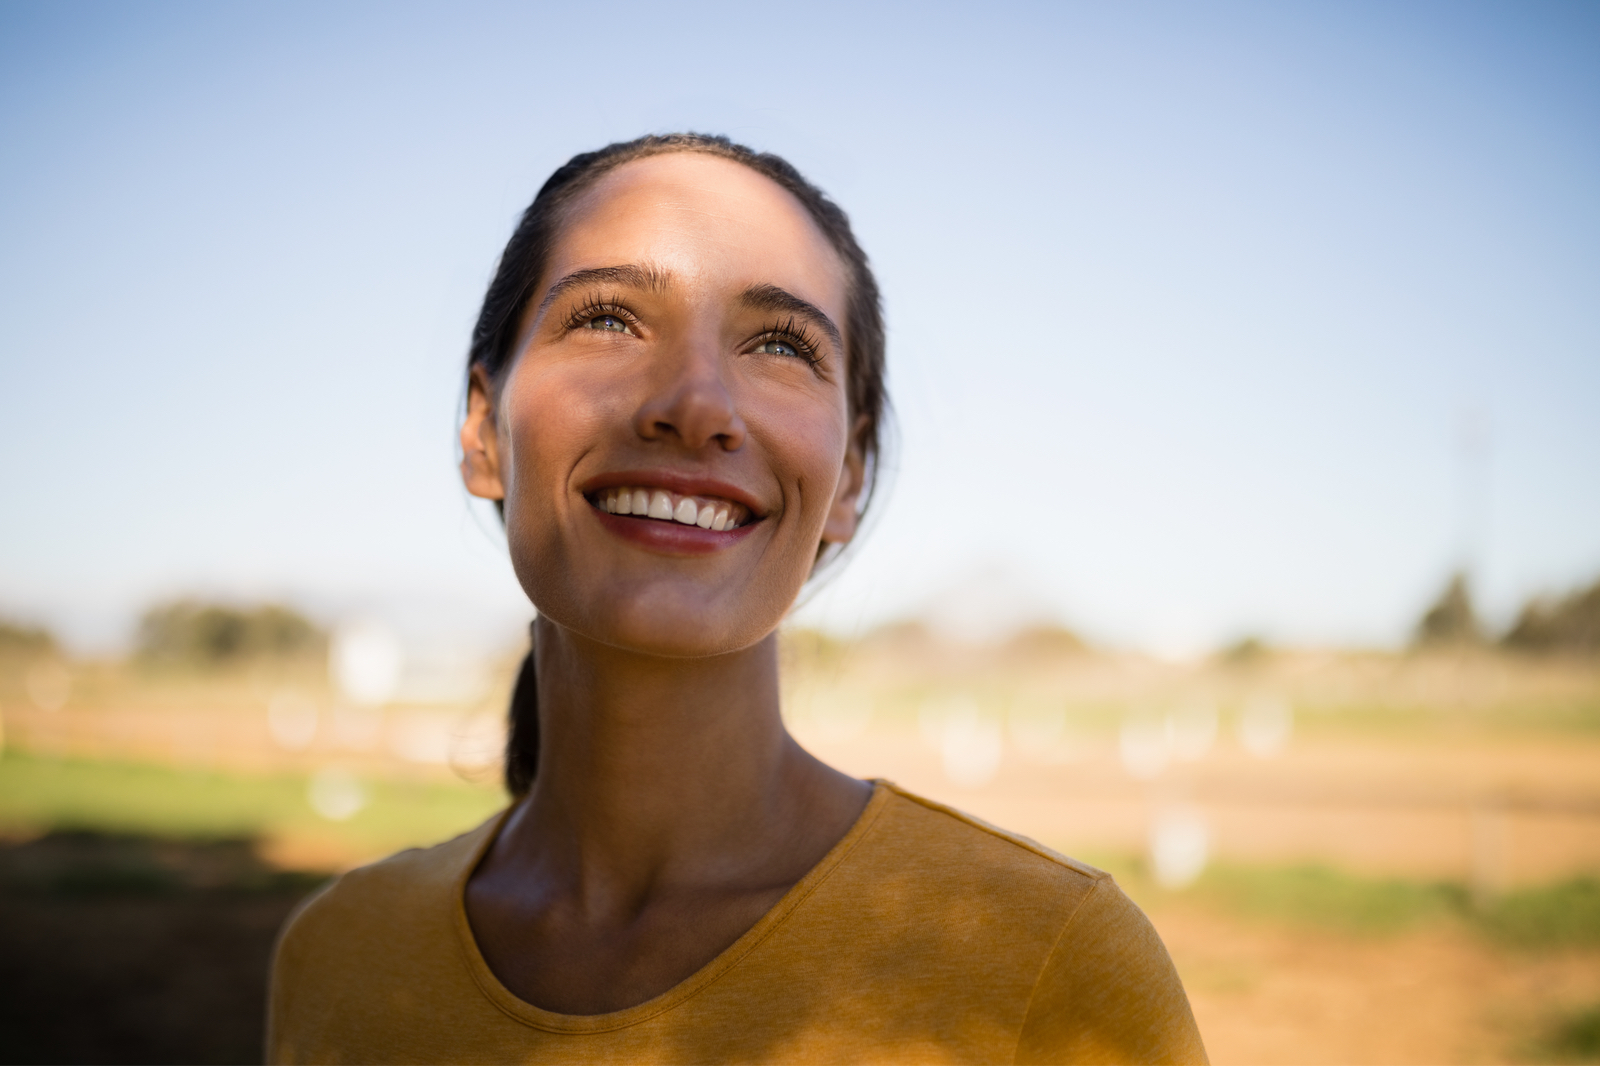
132,950
1271,994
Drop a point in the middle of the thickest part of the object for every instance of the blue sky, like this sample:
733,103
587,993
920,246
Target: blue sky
1190,305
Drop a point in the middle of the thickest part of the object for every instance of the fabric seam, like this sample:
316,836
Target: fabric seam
727,963
993,831
1033,993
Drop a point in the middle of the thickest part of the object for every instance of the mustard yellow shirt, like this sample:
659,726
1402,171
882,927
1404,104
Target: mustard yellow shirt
924,936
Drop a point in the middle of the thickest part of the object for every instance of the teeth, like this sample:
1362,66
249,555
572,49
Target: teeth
707,514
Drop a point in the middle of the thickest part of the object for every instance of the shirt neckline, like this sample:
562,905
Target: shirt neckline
723,962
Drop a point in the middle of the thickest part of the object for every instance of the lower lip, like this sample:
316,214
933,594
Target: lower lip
672,538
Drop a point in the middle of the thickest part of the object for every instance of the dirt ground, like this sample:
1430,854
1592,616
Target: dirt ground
133,950
1272,994
117,949
1509,811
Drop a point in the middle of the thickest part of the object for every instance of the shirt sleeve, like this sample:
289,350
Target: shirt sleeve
1109,992
286,979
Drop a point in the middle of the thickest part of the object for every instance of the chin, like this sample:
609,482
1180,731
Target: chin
667,622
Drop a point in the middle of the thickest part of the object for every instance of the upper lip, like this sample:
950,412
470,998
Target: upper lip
676,482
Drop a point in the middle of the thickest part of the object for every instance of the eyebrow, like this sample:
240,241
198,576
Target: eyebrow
772,298
630,275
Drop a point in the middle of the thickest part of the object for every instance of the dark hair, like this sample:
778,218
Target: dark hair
517,278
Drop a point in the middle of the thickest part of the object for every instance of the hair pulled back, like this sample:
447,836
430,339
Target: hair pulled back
517,279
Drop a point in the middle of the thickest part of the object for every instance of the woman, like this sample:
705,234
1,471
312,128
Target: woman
675,390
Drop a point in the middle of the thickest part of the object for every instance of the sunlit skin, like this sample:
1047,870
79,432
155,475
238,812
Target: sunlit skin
671,809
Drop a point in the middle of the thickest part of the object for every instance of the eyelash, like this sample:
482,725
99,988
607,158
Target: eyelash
796,336
790,332
595,307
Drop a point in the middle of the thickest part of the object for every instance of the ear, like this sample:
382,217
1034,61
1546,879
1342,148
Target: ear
480,440
843,515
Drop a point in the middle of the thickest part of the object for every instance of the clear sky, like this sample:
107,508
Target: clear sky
1205,318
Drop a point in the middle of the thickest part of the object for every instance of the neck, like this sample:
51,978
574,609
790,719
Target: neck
653,771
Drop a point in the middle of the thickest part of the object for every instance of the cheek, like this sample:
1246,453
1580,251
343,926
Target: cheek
808,443
548,423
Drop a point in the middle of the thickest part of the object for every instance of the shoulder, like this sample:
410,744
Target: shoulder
1100,985
1109,993
356,962
391,915
948,844
963,898
389,892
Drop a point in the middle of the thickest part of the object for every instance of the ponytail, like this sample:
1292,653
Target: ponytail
522,740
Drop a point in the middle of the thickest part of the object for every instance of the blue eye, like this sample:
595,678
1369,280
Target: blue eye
607,322
778,348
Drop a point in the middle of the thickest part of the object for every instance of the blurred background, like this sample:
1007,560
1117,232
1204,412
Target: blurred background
1242,535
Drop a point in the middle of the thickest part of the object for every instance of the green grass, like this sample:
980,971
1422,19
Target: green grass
1318,896
1573,1037
1562,915
1566,914
38,795
1579,1036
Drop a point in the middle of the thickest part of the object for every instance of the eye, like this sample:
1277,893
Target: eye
787,339
606,322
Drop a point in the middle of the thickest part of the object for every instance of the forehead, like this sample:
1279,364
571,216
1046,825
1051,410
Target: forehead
707,221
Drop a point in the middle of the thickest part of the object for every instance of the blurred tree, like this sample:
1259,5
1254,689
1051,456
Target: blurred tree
17,641
1451,620
903,635
187,633
1571,624
808,648
1046,640
1246,650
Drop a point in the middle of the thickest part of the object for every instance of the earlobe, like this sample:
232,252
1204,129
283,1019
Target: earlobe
480,443
843,513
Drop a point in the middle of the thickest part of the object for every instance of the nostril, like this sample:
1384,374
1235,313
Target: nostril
697,410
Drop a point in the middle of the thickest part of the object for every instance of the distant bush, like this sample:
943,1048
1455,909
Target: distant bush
1046,640
1574,1039
812,648
1246,650
187,633
905,635
1571,624
1452,620
25,641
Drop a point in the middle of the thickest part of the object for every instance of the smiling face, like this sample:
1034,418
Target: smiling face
673,439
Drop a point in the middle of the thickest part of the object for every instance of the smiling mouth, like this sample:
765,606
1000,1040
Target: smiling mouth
706,512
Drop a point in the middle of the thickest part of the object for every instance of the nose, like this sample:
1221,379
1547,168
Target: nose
689,402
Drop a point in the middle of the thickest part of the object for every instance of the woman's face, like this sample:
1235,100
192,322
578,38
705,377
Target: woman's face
673,440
